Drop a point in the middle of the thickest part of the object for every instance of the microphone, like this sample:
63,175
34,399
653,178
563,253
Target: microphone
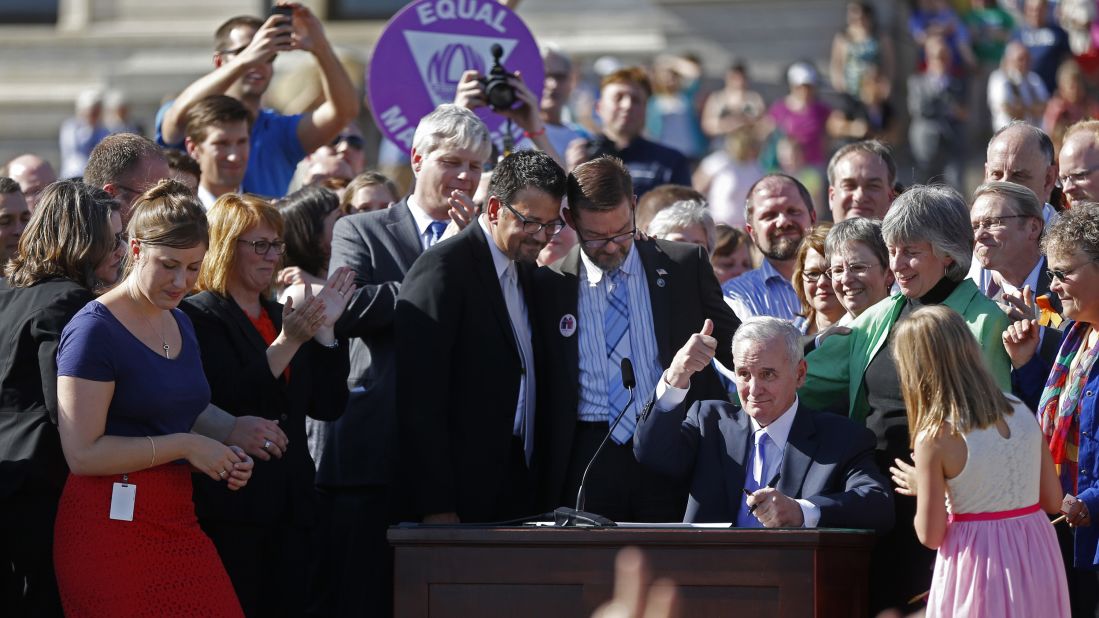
566,517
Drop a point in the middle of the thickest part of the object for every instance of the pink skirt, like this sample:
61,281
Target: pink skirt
159,564
1000,567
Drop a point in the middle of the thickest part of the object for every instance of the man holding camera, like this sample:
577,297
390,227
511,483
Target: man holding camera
623,97
245,51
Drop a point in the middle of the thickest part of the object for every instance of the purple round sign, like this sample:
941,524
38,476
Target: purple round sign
425,48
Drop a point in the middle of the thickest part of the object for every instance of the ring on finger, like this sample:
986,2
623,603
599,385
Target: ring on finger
266,444
222,474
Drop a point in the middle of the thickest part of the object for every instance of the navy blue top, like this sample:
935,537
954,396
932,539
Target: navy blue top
153,395
652,164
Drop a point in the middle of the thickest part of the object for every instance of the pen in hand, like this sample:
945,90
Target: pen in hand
771,485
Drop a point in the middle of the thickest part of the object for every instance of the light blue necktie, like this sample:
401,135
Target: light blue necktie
753,481
436,228
616,335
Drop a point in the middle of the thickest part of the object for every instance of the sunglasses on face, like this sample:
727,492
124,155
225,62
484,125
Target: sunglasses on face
353,141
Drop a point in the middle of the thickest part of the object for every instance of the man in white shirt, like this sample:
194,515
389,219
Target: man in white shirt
772,463
218,136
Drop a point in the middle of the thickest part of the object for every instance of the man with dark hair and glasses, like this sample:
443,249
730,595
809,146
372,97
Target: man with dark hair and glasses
616,296
125,166
465,355
245,50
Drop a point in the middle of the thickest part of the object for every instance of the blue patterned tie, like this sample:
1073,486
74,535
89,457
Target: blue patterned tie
436,228
753,481
616,334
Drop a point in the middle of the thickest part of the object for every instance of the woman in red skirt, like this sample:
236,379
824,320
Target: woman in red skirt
130,386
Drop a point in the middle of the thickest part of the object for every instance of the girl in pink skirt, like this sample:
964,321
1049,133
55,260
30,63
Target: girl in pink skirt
984,477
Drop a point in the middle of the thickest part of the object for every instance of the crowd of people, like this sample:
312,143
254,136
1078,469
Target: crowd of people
288,354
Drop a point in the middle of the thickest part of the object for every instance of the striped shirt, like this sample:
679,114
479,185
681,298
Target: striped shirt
596,369
763,291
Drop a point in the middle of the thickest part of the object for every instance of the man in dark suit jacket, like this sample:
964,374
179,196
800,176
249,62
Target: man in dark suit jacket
670,290
358,471
772,463
465,362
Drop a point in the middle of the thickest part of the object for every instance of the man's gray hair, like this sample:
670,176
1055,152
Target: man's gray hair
936,214
858,229
764,329
682,215
1045,144
1022,199
453,126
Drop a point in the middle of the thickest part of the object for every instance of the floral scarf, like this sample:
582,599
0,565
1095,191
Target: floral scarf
1058,411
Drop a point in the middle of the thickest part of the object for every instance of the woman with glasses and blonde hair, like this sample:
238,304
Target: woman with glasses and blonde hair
1063,392
983,477
129,390
280,362
67,252
819,306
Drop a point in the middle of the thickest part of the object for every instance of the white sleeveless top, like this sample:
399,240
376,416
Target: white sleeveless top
1000,474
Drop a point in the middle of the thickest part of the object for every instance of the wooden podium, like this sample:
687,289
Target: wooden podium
557,572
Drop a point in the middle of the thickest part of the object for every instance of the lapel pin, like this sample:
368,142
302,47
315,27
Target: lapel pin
567,325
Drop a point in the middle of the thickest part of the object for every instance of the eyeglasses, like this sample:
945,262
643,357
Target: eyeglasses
1062,275
132,190
1078,177
994,223
857,270
532,227
353,141
812,276
263,246
599,243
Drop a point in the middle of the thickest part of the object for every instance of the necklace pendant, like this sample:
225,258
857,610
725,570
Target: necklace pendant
166,351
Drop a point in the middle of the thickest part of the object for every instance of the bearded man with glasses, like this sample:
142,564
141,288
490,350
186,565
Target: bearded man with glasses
616,295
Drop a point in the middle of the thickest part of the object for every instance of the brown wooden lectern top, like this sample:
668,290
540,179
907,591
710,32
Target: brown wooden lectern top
444,571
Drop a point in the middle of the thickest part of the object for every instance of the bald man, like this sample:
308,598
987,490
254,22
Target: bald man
33,173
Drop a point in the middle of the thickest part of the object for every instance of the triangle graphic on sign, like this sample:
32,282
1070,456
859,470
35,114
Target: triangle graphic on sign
442,57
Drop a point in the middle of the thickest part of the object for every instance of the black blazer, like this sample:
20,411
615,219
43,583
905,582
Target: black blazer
31,321
234,358
683,292
458,371
379,247
828,461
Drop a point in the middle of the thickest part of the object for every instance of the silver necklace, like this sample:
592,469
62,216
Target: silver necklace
163,342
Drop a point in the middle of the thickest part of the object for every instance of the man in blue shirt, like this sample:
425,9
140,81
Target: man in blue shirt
779,212
623,97
245,50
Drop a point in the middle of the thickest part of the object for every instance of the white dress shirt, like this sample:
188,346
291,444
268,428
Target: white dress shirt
423,220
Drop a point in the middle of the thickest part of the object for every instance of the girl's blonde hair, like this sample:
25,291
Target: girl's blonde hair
230,217
943,376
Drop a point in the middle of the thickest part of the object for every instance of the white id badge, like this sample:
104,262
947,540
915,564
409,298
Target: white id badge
122,501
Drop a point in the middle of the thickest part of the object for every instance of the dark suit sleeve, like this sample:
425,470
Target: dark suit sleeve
46,332
228,370
715,308
426,322
666,442
371,307
328,368
866,501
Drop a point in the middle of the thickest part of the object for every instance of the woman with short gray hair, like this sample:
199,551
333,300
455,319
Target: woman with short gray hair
928,236
685,221
858,264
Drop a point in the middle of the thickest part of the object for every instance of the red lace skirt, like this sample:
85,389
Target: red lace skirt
159,564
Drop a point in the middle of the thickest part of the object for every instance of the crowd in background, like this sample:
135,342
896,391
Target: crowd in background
259,295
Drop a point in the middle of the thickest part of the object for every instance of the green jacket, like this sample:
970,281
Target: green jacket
836,368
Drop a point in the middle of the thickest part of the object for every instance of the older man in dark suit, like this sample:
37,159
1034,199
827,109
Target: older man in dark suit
463,322
613,297
358,472
771,463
